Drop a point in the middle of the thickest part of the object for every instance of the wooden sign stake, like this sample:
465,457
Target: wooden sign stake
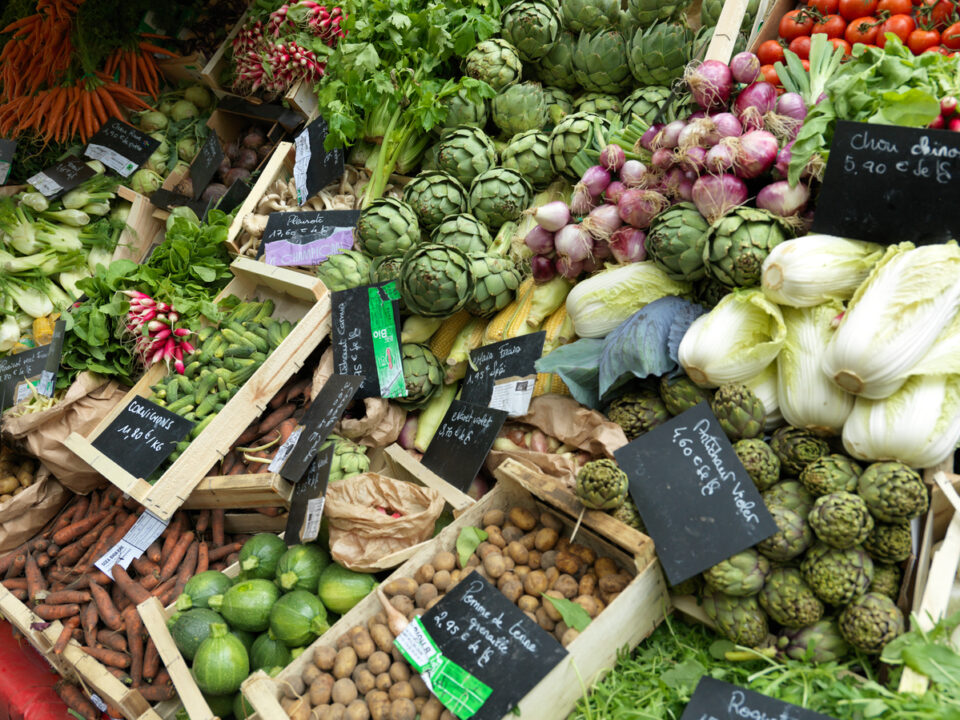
725,33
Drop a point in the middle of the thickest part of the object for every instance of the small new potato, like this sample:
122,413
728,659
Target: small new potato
402,689
569,636
403,709
441,580
567,586
543,618
494,537
362,643
529,541
511,533
587,556
379,662
324,657
344,691
400,671
424,574
431,710
320,690
337,711
402,603
549,520
445,561
433,602
552,611
345,662
420,688
518,552
589,603
512,590
535,560
311,673
384,681
535,583
494,565
604,566
552,575
485,548
521,571
364,680
568,563
382,637
610,584
588,584
528,603
378,703
357,710
522,518
545,539
425,593
401,586
547,559
493,517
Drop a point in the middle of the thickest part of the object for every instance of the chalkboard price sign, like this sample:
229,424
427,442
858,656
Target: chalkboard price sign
7,150
62,177
315,167
694,495
877,171
205,164
501,375
478,651
235,195
307,238
462,442
309,497
142,436
716,700
121,147
31,371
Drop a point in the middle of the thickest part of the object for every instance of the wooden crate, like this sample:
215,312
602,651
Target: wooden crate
769,24
630,618
279,165
297,297
143,230
184,69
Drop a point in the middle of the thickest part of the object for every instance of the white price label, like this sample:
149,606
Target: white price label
112,159
302,146
134,544
4,172
23,392
415,642
312,517
513,396
277,463
45,185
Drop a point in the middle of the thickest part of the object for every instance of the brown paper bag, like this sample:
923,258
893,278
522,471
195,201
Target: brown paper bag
381,424
570,422
361,536
27,513
41,434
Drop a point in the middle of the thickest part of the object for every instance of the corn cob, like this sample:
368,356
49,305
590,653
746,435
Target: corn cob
509,322
559,330
443,339
419,329
547,298
469,338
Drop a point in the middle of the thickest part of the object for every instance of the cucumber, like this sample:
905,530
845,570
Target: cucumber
258,342
239,351
171,392
192,369
207,406
205,332
206,383
235,338
161,394
201,426
184,402
266,310
274,333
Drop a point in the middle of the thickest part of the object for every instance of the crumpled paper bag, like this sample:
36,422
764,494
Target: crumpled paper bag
26,513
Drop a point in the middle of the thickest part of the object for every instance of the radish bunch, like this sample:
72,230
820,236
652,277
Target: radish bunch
949,118
153,324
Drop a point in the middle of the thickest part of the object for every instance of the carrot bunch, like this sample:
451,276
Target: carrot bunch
137,67
38,55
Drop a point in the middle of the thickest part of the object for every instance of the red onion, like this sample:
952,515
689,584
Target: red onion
638,207
694,158
590,264
602,221
670,182
782,166
614,191
542,268
701,132
720,158
582,202
570,269
573,242
670,135
612,157
552,216
601,249
633,173
714,195
783,200
408,432
745,67
628,245
727,125
710,84
685,189
662,159
757,153
791,104
753,102
594,180
646,140
696,115
539,240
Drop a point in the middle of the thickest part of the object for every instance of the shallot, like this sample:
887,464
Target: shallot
633,173
757,153
602,221
614,191
539,240
612,157
594,180
710,84
783,200
628,244
552,216
638,207
573,242
715,195
542,268
745,67
753,102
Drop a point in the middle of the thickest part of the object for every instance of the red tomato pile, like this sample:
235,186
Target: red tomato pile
922,25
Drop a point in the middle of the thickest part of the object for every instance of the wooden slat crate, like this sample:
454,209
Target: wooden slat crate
769,29
297,297
142,230
630,618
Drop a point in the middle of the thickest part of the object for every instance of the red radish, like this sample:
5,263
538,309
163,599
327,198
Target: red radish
757,153
542,268
783,200
628,245
714,195
710,83
573,242
954,124
638,207
539,240
745,67
612,157
939,122
948,105
753,102
633,173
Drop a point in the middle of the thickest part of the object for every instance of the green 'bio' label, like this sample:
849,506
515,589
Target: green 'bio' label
386,346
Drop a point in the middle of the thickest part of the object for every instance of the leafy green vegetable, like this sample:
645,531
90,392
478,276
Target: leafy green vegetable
468,541
573,615
578,365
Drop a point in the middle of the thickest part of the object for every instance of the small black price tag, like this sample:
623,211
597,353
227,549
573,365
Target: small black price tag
307,238
890,184
288,119
309,497
206,164
234,196
694,495
167,199
30,371
501,375
142,436
352,337
62,177
315,167
7,150
121,147
717,700
462,442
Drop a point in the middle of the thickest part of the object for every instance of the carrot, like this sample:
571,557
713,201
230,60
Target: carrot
135,643
156,693
187,568
153,554
108,103
269,511
151,580
20,594
203,521
15,584
286,429
65,636
112,639
97,550
52,551
7,560
171,536
65,518
67,597
43,561
87,127
299,388
75,700
151,48
171,564
36,583
131,589
275,418
122,677
225,550
105,607
144,566
75,530
251,434
56,612
16,567
232,558
203,557
94,496
108,656
216,527
151,660
164,590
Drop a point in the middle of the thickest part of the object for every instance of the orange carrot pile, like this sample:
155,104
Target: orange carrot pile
137,67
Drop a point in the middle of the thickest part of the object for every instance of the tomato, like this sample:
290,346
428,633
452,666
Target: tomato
770,52
939,12
922,40
769,73
824,7
841,43
794,24
853,9
895,7
806,65
899,25
833,26
951,37
862,30
800,46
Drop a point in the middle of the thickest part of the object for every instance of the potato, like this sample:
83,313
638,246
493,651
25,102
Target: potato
560,629
398,657
520,571
509,563
379,662
445,561
518,553
363,643
604,566
552,575
415,613
511,533
567,586
545,539
588,584
614,583
420,688
547,559
494,537
586,555
589,603
401,586
431,710
298,709
568,563
455,578
337,711
522,518
402,689
528,603
294,687
441,580
382,637
424,574
343,641
512,590
402,603
324,657
549,520
403,709
562,544
344,691
552,612
494,517
529,541
357,710
400,672
384,681
379,704
321,712
494,565
535,560
506,577
535,583
447,715
425,593
364,680
608,598
473,561
345,662
311,673
419,702
543,619
569,636
320,690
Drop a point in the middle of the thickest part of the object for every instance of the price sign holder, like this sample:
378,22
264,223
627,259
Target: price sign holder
308,500
121,147
31,371
62,177
502,375
462,442
7,150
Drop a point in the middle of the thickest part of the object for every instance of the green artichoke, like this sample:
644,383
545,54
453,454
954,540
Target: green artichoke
428,164
739,411
645,104
637,413
461,110
893,492
597,103
788,600
831,473
739,242
349,458
629,515
886,580
760,462
387,226
497,280
600,61
790,494
465,152
658,55
495,61
741,575
559,104
518,108
840,520
837,576
385,268
345,270
681,393
556,67
690,586
571,135
709,292
818,643
589,15
889,542
601,485
528,153
676,240
433,196
499,195
435,280
463,232
422,374
531,26
792,538
797,448
871,621
646,12
740,619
